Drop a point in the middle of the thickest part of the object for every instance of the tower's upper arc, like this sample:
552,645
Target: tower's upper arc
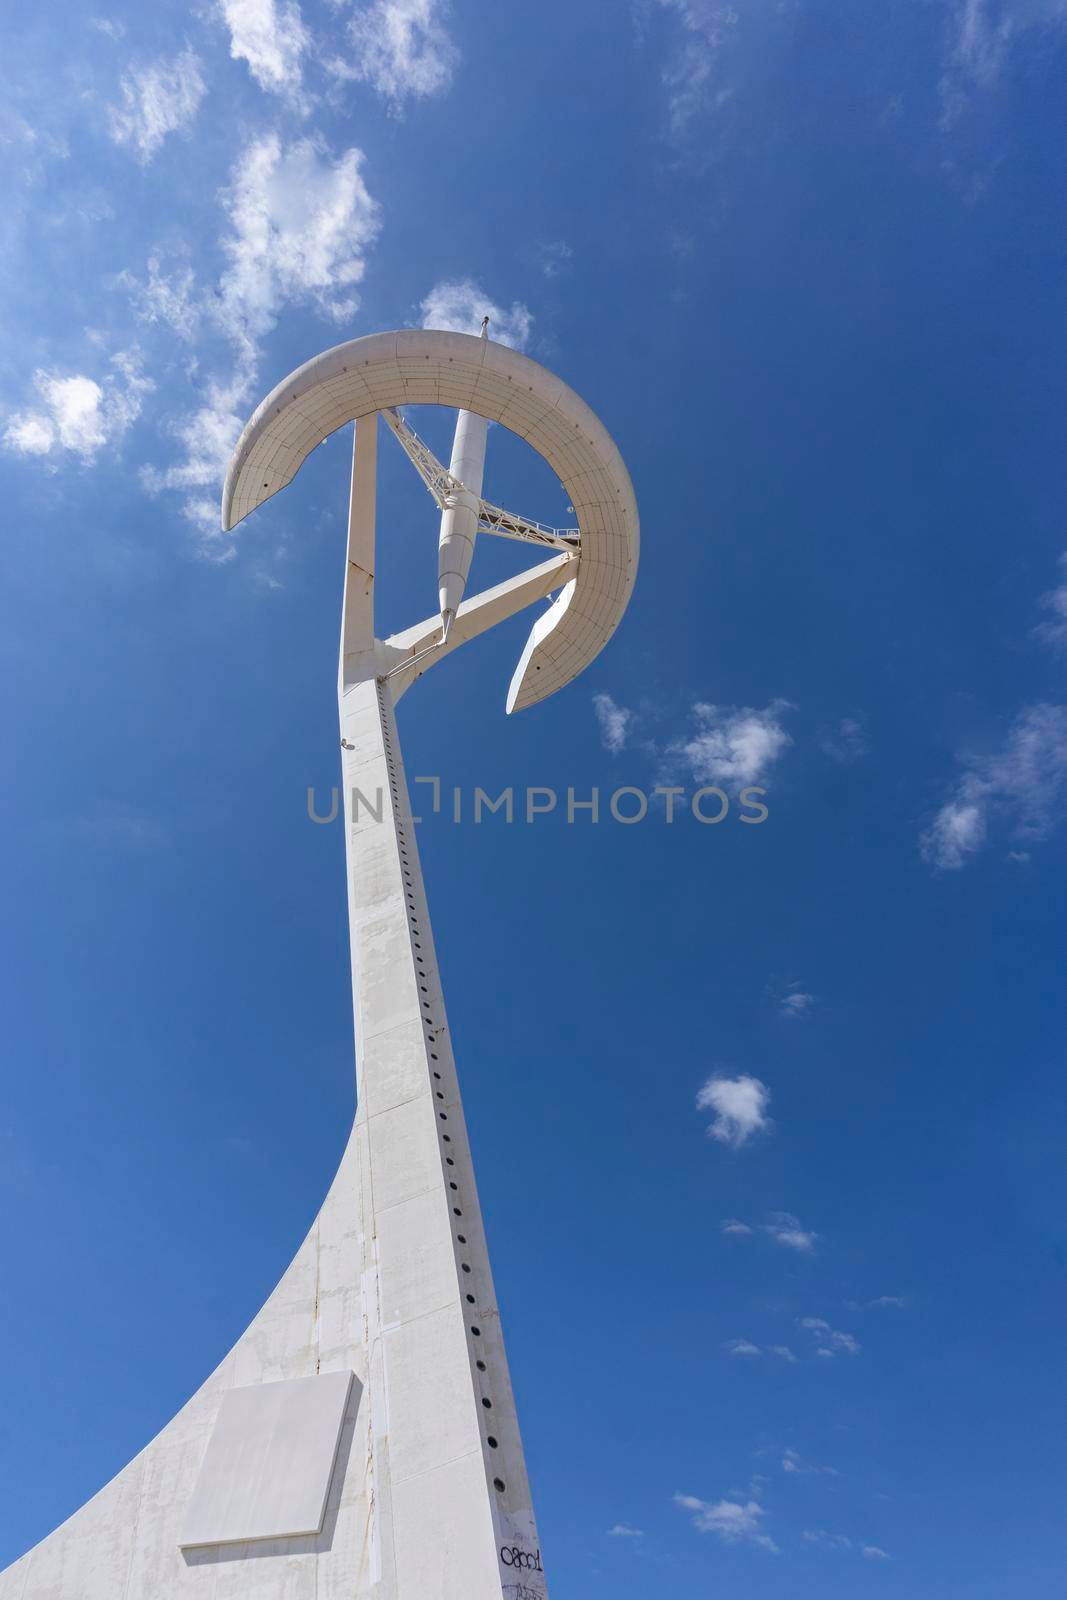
426,367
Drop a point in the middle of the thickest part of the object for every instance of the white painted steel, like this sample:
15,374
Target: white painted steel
459,519
421,366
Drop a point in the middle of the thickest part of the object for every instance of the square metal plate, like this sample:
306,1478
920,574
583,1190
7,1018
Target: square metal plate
269,1461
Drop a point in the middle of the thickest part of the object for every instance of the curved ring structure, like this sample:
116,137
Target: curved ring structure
424,367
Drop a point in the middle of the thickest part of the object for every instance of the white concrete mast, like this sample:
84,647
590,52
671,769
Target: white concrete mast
360,1441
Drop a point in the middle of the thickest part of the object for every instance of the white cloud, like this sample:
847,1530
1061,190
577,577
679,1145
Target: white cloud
958,830
554,257
1024,781
838,1541
734,1522
746,1350
742,1347
786,1230
979,41
272,38
689,76
1054,631
732,745
171,299
458,305
981,36
796,1002
31,433
77,414
621,1531
301,224
614,722
207,437
873,1553
794,1463
783,1228
887,1301
740,1107
158,99
829,1340
401,48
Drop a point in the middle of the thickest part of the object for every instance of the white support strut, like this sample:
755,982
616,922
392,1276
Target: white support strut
491,519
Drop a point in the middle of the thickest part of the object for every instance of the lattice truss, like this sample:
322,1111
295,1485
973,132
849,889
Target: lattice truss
491,519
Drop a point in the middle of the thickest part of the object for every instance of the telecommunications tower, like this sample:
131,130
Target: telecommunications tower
360,1440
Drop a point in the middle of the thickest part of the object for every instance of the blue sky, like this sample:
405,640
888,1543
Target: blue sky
769,1121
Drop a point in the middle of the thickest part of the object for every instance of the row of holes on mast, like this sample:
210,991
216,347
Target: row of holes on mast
427,1022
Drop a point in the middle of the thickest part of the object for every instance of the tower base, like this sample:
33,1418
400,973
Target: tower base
394,1470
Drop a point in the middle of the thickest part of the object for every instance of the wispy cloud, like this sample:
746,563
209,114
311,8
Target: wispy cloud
1054,631
727,748
207,437
621,1531
160,98
690,76
794,1463
786,1230
1025,780
75,414
740,1106
301,223
844,741
614,722
841,1541
795,1002
402,48
829,1341
978,45
731,746
734,1521
887,1302
981,37
167,298
554,257
742,1347
956,833
457,305
835,1541
272,39
119,829
746,1350
783,1228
